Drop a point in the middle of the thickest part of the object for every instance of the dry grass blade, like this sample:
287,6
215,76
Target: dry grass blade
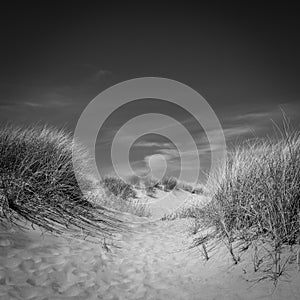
257,197
38,184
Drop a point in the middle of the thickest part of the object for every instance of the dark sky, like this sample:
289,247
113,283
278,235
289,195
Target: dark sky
243,59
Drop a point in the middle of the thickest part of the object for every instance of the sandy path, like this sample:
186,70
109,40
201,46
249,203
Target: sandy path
157,263
153,263
149,265
164,203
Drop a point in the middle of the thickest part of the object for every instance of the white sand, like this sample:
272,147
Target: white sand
153,263
164,203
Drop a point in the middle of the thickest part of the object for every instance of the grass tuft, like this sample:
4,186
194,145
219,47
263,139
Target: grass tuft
119,188
169,183
257,195
38,183
130,205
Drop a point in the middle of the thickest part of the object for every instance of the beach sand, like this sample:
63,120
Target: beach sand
153,262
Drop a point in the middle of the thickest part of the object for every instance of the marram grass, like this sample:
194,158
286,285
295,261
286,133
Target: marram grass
38,184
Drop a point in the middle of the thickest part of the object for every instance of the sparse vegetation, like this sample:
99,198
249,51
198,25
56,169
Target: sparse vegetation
150,182
135,181
119,188
190,211
198,190
169,183
121,197
130,205
38,184
184,186
257,198
150,185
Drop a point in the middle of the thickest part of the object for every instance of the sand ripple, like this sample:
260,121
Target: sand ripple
152,263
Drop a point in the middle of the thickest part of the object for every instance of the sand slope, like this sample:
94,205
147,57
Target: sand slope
164,203
152,263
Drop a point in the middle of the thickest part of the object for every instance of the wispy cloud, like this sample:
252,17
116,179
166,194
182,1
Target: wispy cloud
169,154
93,77
237,131
153,144
101,73
42,103
55,94
47,104
252,116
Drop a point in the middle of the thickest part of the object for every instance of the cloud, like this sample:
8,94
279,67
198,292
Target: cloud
237,131
101,73
94,78
153,144
155,158
162,159
229,132
47,104
35,104
169,154
54,94
252,116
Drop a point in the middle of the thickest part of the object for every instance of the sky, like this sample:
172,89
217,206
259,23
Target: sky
242,58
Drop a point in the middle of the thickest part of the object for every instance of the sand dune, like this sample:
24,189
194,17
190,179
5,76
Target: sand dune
164,203
153,262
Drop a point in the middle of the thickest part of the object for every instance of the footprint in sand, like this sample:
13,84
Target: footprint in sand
152,263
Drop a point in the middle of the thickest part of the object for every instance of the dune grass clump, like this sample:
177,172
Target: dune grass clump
190,211
150,185
122,197
38,183
131,205
184,186
257,195
169,183
118,187
134,181
198,190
